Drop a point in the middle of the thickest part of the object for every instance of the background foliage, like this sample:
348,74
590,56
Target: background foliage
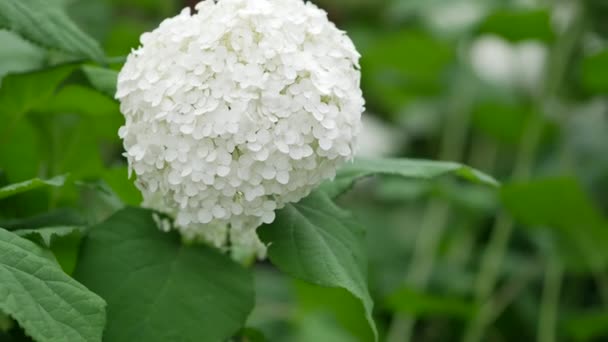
514,88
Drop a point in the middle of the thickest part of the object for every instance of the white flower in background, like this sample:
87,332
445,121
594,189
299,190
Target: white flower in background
519,65
379,138
236,110
453,17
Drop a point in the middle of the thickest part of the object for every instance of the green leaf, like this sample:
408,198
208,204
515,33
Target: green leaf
315,241
17,188
337,303
81,100
409,168
594,72
252,335
503,121
46,236
102,79
18,55
158,289
56,217
45,23
562,204
400,67
20,93
63,241
519,25
413,302
117,178
46,302
588,326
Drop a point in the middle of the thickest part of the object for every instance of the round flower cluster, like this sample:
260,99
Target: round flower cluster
236,110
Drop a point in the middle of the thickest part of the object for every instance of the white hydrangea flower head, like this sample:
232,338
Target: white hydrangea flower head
236,110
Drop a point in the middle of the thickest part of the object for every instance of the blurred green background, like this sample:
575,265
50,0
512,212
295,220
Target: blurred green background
514,88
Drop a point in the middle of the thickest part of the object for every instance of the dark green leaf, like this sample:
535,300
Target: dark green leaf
399,67
251,335
57,217
158,289
502,121
562,204
315,241
519,25
409,301
409,168
588,326
21,93
45,301
45,23
594,72
17,188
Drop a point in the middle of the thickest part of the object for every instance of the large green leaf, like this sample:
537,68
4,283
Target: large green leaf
46,302
403,66
17,188
315,241
158,289
45,23
409,168
561,204
81,100
22,92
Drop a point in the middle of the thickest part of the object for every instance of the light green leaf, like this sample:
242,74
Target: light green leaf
17,188
118,180
81,100
45,23
18,55
46,302
158,289
47,235
102,79
409,168
337,303
315,241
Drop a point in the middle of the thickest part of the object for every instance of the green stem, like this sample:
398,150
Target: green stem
437,211
501,233
549,306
